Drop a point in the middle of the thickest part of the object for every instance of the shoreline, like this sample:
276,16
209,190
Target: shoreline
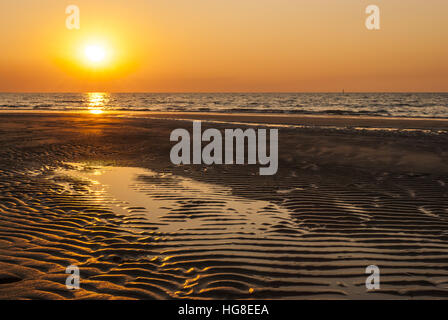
262,118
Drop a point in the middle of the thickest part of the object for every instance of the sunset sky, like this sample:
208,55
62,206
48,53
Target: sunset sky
223,46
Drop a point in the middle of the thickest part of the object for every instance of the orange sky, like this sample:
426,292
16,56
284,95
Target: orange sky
225,45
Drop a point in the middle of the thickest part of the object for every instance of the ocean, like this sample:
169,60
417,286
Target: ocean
426,105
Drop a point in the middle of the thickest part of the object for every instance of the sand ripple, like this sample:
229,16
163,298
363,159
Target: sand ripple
162,236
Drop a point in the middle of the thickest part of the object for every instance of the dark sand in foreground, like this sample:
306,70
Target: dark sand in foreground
72,188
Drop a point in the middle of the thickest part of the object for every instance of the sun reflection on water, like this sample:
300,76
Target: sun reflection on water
97,102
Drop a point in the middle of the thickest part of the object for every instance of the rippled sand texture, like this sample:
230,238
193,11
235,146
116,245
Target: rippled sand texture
100,194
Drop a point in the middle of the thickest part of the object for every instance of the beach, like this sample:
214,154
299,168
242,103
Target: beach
98,191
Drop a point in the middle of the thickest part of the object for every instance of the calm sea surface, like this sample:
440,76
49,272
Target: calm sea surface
433,105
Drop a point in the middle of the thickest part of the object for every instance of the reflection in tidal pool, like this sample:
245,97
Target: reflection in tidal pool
177,204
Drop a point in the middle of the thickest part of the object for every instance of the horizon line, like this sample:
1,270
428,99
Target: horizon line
210,92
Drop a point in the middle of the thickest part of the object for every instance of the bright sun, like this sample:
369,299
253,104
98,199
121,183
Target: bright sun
95,53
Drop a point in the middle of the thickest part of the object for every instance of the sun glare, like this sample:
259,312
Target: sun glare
95,58
95,53
96,111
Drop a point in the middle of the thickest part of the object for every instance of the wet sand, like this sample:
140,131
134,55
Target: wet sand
99,192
